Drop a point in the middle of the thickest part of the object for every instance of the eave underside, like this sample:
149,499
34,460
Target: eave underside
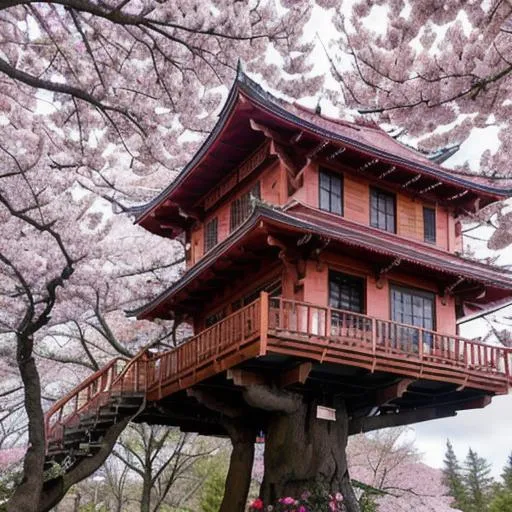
251,116
247,250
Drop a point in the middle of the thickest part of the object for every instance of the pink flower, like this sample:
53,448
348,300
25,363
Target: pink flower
302,508
287,501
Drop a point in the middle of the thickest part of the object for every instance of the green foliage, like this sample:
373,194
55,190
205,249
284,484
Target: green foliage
478,482
214,486
502,502
507,474
367,503
453,478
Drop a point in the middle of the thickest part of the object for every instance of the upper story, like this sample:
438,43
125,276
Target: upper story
321,177
284,154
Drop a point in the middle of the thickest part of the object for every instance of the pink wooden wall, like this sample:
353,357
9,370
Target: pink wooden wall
377,300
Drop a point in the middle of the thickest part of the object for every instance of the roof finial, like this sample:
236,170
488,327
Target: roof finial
318,108
240,68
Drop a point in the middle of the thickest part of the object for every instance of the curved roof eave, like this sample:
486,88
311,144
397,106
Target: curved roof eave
264,212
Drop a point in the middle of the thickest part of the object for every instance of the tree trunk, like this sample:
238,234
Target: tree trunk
302,453
238,479
145,499
26,496
54,490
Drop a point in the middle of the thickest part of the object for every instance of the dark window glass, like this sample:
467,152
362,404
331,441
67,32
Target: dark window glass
331,192
241,208
213,319
211,234
382,210
429,225
412,307
346,292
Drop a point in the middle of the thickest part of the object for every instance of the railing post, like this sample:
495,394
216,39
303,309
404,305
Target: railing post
374,336
420,344
507,363
264,310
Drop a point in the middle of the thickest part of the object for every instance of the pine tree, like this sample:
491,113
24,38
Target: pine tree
478,483
507,474
452,477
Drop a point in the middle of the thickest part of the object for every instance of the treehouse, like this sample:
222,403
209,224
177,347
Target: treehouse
323,258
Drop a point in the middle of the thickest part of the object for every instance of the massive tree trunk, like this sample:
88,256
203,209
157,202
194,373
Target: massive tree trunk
238,479
26,496
302,453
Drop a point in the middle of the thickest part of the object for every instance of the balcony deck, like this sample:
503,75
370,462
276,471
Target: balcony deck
270,327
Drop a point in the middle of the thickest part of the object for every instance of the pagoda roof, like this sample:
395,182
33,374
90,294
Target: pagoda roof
234,138
300,219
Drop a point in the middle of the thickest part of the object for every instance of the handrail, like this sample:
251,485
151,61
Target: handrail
309,319
59,404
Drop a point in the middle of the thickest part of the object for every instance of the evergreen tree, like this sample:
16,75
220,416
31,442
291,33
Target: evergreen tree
478,483
452,477
507,474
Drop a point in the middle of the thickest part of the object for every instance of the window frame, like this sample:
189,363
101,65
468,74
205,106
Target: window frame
426,294
210,240
389,195
354,278
322,171
240,208
430,238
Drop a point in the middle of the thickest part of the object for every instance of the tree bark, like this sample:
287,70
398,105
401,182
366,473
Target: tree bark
26,496
54,490
145,499
238,479
302,453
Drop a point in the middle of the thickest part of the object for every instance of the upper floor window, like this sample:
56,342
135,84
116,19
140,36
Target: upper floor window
382,210
241,208
429,225
331,192
211,234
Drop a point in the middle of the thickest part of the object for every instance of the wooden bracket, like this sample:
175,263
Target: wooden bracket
385,270
449,289
297,375
245,377
386,395
293,264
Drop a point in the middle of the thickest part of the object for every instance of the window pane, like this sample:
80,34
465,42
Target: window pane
429,225
331,192
382,210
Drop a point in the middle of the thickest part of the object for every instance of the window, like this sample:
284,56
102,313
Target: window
429,225
331,192
210,234
346,292
382,210
241,208
411,307
213,319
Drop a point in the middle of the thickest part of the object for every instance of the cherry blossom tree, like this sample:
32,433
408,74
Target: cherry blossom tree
437,69
104,99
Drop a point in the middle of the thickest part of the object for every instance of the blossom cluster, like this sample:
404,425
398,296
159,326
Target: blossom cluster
308,502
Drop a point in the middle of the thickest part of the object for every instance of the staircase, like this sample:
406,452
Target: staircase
76,424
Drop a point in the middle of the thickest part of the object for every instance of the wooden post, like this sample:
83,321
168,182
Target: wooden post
420,344
263,322
374,336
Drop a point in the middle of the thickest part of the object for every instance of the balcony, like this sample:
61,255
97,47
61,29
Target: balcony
282,327
307,331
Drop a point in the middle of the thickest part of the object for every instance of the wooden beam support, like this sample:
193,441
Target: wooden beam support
297,375
430,187
386,395
389,171
336,153
245,377
414,179
368,164
477,403
380,273
369,423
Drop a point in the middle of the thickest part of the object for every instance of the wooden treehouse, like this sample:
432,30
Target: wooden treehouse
323,257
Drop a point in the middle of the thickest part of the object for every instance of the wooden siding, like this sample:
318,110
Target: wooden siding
377,300
271,192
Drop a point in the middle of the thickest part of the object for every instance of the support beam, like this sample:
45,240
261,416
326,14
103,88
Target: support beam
379,275
369,423
430,187
411,181
338,152
297,375
391,170
397,390
246,377
368,164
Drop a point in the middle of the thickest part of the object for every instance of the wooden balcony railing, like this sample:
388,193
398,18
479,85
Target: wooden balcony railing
385,336
263,326
231,334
